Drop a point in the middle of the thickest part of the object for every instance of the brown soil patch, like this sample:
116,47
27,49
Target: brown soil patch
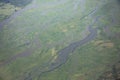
113,74
102,43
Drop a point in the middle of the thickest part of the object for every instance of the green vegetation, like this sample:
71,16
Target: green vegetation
84,65
32,39
7,10
8,7
19,3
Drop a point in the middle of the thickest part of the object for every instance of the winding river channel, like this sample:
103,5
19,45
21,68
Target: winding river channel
62,55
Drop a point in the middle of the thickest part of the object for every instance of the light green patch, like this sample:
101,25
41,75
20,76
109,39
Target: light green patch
6,10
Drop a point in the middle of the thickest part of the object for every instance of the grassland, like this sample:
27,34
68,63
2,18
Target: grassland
32,39
6,10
